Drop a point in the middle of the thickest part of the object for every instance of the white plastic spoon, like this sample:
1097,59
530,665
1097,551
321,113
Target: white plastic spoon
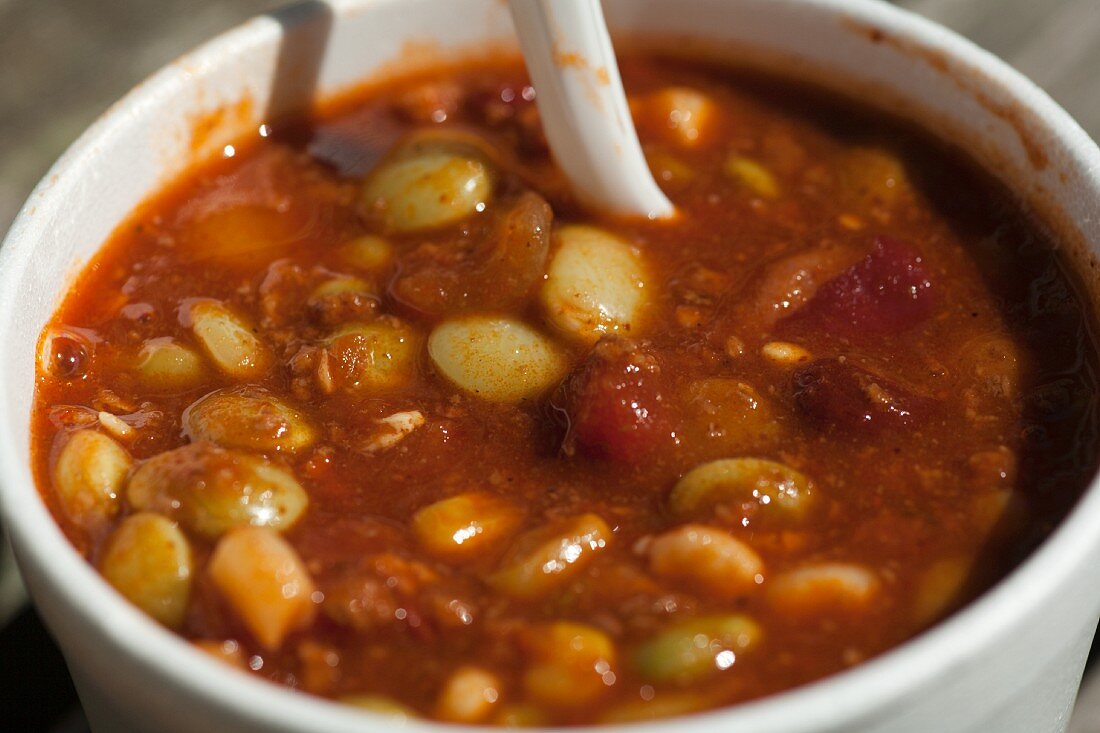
583,106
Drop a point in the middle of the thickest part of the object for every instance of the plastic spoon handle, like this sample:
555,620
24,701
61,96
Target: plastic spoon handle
583,106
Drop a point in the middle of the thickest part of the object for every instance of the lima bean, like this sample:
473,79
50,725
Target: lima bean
250,418
497,359
165,365
417,190
373,356
470,695
595,284
148,560
210,490
774,490
693,650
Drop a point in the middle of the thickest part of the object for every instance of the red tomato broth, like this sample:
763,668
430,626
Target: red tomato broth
892,495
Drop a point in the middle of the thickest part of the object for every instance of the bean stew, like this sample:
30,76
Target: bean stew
372,408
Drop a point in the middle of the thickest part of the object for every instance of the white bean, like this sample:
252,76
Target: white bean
669,170
595,284
824,588
520,715
546,558
340,285
228,340
571,665
497,359
115,425
709,557
88,476
784,353
368,253
469,696
998,512
875,175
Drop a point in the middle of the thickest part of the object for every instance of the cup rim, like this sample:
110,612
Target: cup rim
836,700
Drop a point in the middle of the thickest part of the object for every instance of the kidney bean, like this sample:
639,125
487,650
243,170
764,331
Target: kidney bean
837,393
888,291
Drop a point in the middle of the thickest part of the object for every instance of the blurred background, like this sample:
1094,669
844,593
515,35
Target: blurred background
62,62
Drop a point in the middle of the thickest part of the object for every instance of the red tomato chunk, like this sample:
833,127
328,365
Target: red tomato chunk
887,292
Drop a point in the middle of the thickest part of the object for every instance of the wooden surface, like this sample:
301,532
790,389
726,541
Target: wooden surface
63,61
